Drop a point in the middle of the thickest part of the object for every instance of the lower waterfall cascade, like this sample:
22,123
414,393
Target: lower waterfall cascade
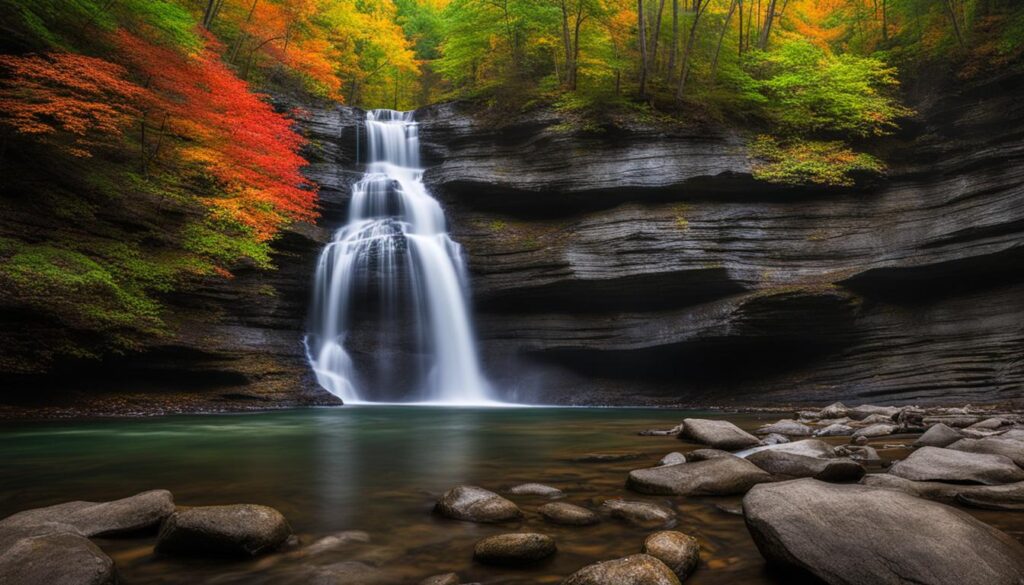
395,245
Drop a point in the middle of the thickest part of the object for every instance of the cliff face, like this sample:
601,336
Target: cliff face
642,265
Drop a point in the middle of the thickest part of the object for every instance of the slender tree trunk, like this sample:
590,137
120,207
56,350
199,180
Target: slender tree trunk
885,22
643,47
566,45
656,33
674,49
699,6
576,45
721,38
955,21
766,30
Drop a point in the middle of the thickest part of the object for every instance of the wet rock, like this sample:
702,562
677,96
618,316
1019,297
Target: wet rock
514,549
856,534
662,432
808,447
989,424
54,557
334,541
865,410
1008,497
673,458
609,457
133,514
1014,434
773,439
719,434
859,440
939,435
445,579
639,512
992,446
474,504
715,477
638,569
876,419
787,427
857,452
792,465
706,454
834,410
959,422
568,514
834,430
680,552
879,430
244,530
936,464
535,489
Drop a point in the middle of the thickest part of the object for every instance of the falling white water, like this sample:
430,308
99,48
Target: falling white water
396,238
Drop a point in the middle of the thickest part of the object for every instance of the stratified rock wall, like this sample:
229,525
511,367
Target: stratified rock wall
645,265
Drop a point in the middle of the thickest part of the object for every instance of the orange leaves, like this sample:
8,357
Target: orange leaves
75,101
248,148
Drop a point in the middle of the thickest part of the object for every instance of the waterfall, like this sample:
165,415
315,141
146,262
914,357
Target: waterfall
394,269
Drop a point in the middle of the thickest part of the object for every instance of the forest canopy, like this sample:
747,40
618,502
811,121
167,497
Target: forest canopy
169,127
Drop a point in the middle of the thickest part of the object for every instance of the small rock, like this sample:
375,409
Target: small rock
834,430
935,464
608,457
535,489
879,430
244,530
938,435
673,458
714,477
639,512
720,434
514,549
445,579
474,504
334,541
638,569
773,439
856,534
786,427
680,552
568,514
859,440
857,452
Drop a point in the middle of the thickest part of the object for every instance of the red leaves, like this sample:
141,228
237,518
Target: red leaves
249,149
75,101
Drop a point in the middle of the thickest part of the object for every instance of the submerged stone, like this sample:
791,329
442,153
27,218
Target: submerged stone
474,504
637,569
514,549
243,530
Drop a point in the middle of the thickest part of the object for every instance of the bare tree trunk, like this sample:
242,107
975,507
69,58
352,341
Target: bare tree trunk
576,45
766,30
956,22
643,47
721,38
656,33
699,6
674,49
566,45
885,22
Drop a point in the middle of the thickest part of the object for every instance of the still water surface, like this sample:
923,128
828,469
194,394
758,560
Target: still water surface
380,470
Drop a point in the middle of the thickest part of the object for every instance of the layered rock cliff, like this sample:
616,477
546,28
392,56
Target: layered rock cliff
645,265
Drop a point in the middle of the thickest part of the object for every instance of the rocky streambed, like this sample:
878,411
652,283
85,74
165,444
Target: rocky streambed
868,494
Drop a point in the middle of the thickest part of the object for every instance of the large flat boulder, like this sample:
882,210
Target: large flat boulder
638,569
936,464
475,504
720,434
714,477
137,513
786,465
1009,497
856,534
992,446
240,530
939,435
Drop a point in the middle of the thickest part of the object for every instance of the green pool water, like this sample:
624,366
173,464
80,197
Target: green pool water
378,470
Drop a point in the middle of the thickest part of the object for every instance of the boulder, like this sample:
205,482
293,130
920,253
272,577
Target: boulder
834,410
638,569
445,579
662,432
474,504
959,422
856,534
673,458
54,557
857,452
514,549
992,446
705,454
787,427
242,530
642,513
1008,497
865,410
990,424
939,435
568,514
792,465
535,489
834,430
137,513
809,447
715,477
773,439
936,464
680,552
877,419
878,430
720,434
